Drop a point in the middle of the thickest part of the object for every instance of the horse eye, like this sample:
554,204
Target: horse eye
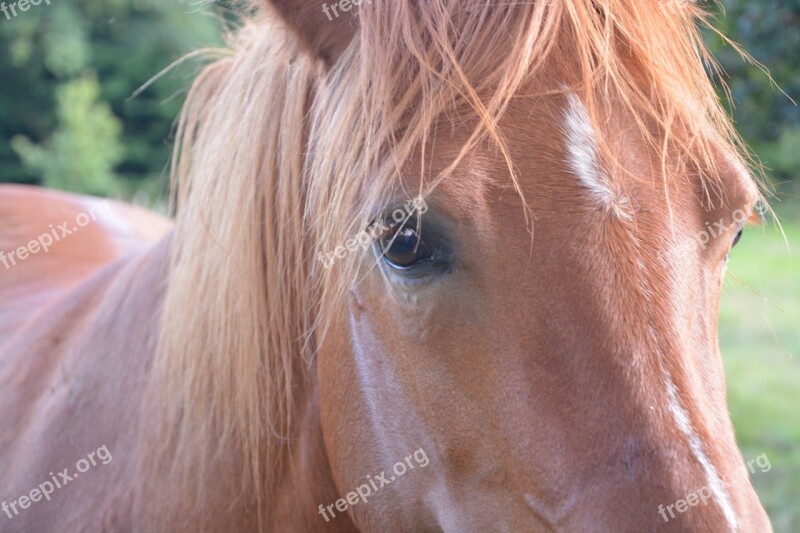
737,238
405,248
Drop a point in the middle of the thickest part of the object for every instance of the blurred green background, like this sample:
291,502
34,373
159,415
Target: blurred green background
68,121
760,342
67,75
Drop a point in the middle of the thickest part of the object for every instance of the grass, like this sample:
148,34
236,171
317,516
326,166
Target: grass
760,342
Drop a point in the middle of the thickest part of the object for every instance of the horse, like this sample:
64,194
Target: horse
521,348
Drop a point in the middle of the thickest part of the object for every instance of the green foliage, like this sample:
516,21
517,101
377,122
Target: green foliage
760,345
62,120
85,146
769,30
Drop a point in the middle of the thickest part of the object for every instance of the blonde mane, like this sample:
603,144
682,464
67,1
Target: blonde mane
279,156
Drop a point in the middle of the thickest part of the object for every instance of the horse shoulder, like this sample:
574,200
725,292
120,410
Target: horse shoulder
72,384
50,241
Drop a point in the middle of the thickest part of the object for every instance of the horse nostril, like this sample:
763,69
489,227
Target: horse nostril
548,517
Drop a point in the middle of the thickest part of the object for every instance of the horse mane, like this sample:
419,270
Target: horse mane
280,156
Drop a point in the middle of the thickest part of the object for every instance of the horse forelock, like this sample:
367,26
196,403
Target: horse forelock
280,156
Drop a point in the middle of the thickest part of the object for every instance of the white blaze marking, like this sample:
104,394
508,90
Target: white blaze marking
716,484
584,159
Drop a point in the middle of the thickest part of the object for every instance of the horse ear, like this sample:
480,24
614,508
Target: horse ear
327,29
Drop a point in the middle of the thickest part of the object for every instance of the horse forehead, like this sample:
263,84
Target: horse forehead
555,161
557,156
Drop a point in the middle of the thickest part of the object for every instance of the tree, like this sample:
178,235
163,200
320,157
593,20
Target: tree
67,73
769,120
85,146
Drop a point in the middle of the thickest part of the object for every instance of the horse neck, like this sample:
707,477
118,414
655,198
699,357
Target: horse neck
307,481
302,483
